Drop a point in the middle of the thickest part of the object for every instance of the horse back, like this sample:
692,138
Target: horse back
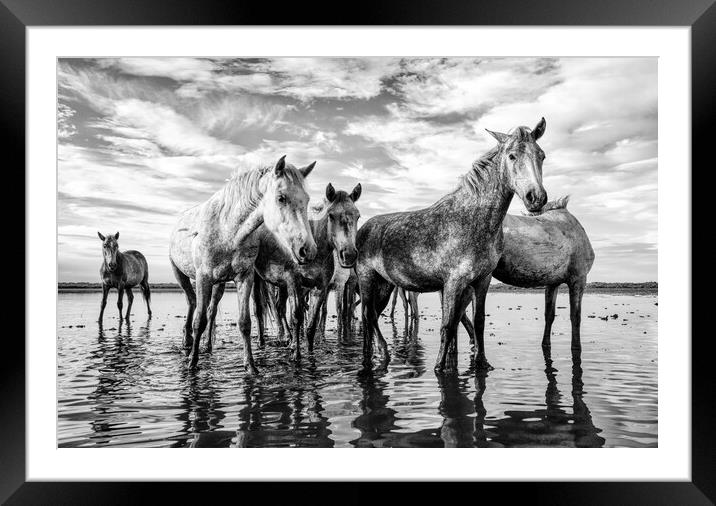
543,250
135,268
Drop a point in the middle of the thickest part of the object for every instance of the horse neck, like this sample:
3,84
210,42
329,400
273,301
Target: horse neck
120,263
319,228
243,216
485,196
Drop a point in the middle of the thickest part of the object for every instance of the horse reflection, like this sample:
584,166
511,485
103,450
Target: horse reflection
118,362
201,405
407,349
552,426
377,422
291,416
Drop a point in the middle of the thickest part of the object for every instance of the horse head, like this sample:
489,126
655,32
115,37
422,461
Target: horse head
520,163
110,247
343,218
285,203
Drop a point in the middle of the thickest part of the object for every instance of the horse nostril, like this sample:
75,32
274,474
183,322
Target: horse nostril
530,197
302,252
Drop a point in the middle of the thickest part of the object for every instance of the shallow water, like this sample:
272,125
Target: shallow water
130,386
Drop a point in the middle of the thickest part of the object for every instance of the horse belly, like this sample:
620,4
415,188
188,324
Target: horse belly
409,277
133,270
531,269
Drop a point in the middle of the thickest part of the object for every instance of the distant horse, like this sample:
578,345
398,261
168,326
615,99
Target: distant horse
122,270
333,231
409,299
543,249
214,242
453,245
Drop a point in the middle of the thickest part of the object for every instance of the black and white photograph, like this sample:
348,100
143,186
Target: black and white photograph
357,252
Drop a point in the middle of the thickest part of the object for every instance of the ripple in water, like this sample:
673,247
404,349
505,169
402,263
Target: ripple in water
129,385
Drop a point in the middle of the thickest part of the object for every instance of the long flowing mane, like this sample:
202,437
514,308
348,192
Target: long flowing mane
480,173
483,174
243,189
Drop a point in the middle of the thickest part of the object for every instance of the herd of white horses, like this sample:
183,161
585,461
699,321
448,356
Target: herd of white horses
256,231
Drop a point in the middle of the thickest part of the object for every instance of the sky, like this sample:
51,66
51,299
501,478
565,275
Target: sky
142,139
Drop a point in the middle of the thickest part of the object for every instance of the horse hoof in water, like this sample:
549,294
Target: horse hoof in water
193,361
296,356
482,364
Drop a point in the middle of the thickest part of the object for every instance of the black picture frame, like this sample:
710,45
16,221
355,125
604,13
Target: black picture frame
17,15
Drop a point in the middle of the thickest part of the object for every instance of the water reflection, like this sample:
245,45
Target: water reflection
554,425
117,360
126,384
276,417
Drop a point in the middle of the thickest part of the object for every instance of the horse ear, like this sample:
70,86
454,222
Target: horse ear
539,129
501,138
307,169
330,193
355,194
101,237
116,236
280,166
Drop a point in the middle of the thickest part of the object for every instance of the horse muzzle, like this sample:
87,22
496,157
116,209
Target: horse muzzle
535,199
348,257
305,253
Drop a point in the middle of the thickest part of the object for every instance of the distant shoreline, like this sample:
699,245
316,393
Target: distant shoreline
646,288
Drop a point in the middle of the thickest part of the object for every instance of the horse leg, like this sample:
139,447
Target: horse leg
481,287
550,301
368,280
243,290
147,294
381,301
395,299
185,283
259,311
404,300
340,296
130,301
349,291
322,321
413,300
120,303
281,301
105,292
296,307
576,290
203,297
314,315
469,328
217,292
455,298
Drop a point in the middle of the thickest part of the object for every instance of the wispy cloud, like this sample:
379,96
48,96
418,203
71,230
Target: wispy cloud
141,139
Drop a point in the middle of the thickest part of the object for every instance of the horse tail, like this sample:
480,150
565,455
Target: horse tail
264,300
144,285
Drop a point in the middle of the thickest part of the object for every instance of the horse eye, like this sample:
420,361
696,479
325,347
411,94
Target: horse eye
512,157
282,199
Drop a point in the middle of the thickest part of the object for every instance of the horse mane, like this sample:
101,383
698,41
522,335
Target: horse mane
479,173
317,209
242,189
552,205
482,171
